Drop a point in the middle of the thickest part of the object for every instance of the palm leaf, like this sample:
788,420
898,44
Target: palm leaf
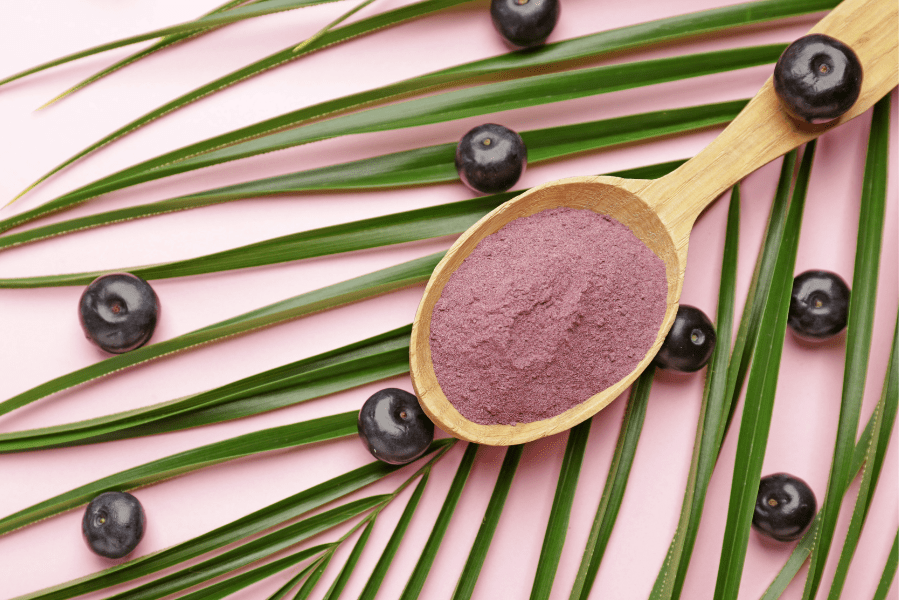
234,584
317,569
429,552
469,576
616,480
213,19
760,284
402,168
446,219
885,412
432,164
266,440
390,550
859,331
165,42
367,361
713,411
447,106
890,569
352,290
314,572
594,45
328,38
252,551
795,561
760,397
558,523
245,527
308,41
284,590
337,587
725,376
456,104
870,451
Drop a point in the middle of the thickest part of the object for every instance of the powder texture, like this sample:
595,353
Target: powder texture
543,314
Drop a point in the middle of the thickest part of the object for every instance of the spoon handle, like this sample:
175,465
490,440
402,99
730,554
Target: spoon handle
763,131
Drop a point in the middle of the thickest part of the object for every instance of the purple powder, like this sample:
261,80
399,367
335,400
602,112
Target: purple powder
545,313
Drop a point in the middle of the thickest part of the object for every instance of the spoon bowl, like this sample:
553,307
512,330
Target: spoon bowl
660,212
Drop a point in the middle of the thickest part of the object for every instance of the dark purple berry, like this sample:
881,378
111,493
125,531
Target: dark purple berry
690,343
820,303
525,23
785,507
818,78
393,426
118,312
113,524
490,158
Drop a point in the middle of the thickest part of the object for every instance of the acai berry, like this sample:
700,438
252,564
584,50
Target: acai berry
818,78
113,524
393,426
490,158
820,305
785,507
118,312
690,343
525,23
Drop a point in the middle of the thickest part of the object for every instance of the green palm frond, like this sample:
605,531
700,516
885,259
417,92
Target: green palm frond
324,39
480,547
859,330
213,19
428,165
760,396
267,518
560,53
286,131
614,490
713,412
286,436
164,42
890,569
344,535
353,290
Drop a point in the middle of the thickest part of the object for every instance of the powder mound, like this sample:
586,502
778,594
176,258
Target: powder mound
546,312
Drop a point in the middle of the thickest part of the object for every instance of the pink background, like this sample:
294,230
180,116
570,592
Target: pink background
40,337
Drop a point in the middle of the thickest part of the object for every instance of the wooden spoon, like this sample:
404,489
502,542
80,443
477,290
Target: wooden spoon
660,213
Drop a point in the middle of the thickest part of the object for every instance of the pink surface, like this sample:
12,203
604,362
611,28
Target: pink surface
40,337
